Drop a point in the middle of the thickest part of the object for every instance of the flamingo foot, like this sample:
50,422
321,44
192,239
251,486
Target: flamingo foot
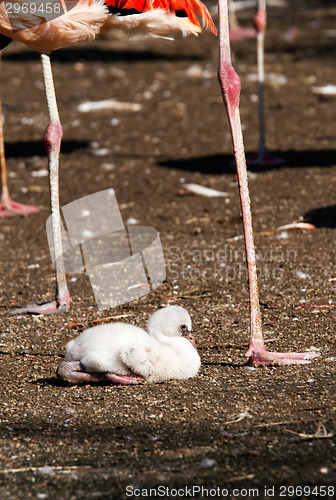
238,33
73,373
262,357
263,159
56,306
10,208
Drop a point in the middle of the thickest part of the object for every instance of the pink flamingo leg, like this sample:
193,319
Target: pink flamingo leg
230,87
262,158
73,373
52,142
238,33
8,207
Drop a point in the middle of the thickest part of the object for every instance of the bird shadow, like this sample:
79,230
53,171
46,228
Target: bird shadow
224,364
324,217
224,163
21,149
25,353
48,381
75,54
56,382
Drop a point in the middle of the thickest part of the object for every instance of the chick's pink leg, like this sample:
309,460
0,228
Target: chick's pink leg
73,373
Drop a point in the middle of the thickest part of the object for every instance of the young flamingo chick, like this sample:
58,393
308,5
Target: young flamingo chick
118,353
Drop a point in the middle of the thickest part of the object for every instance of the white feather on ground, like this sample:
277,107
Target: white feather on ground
88,106
325,90
163,352
204,191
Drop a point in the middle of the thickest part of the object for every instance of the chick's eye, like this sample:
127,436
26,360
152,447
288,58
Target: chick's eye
183,328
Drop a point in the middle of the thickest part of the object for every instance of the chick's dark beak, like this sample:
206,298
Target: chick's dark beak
189,337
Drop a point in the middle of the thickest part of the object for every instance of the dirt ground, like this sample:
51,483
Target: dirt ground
232,430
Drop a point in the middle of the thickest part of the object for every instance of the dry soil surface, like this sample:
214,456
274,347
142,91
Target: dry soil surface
232,427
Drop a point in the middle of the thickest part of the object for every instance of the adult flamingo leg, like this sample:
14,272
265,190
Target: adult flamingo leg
262,157
52,142
230,87
8,207
237,32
